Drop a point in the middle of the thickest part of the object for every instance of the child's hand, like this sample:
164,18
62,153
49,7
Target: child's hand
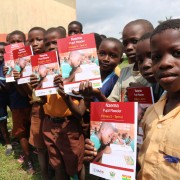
16,74
34,81
86,90
5,70
90,152
58,81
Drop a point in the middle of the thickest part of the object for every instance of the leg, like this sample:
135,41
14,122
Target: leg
43,162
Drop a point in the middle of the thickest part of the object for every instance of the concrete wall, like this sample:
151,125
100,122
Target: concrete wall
25,14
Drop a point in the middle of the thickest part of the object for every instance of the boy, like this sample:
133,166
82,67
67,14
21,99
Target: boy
19,104
143,56
103,136
159,155
75,27
62,30
51,36
4,103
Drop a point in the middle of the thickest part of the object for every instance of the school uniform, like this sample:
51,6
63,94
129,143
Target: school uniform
63,136
127,76
159,156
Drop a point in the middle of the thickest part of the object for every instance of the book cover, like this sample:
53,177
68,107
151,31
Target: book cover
46,67
9,60
79,61
11,47
22,63
144,97
113,130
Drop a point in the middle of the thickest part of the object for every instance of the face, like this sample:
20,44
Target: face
109,55
74,29
75,59
165,52
2,51
107,135
36,40
42,71
22,62
143,57
131,35
51,41
16,38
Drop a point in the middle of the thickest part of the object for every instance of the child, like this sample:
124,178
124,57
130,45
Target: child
104,136
75,27
36,40
51,36
159,155
62,133
143,56
19,104
62,30
4,103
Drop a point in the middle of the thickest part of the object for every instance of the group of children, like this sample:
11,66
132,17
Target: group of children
58,125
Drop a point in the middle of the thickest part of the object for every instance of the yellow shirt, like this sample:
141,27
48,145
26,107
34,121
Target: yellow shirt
161,136
56,106
117,71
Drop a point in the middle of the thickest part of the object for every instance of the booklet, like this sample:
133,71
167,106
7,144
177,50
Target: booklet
113,130
22,63
79,61
9,60
46,67
144,97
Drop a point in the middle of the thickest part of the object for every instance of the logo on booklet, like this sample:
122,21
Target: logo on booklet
112,174
125,177
98,171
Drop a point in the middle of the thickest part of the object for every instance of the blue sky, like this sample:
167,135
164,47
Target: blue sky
110,16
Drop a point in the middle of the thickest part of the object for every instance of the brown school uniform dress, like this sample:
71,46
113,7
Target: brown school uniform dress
63,136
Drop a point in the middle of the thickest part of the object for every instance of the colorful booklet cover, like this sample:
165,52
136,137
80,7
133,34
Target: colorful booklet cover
79,61
22,63
9,60
113,130
144,97
46,67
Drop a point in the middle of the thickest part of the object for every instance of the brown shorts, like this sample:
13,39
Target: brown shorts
37,118
21,122
65,144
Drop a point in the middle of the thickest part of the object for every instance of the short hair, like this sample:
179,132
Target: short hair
77,23
98,40
116,41
17,32
165,25
63,30
38,29
147,25
3,43
145,36
103,36
54,29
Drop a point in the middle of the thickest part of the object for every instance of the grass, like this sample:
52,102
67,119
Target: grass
10,168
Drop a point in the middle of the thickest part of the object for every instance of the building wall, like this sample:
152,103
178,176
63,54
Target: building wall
25,14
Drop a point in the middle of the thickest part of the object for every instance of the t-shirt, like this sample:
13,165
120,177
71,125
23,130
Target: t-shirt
97,143
56,106
127,76
161,138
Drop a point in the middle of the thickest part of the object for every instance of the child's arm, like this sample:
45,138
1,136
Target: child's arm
86,90
77,110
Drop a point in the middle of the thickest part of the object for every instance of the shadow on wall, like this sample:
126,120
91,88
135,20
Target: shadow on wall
71,3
